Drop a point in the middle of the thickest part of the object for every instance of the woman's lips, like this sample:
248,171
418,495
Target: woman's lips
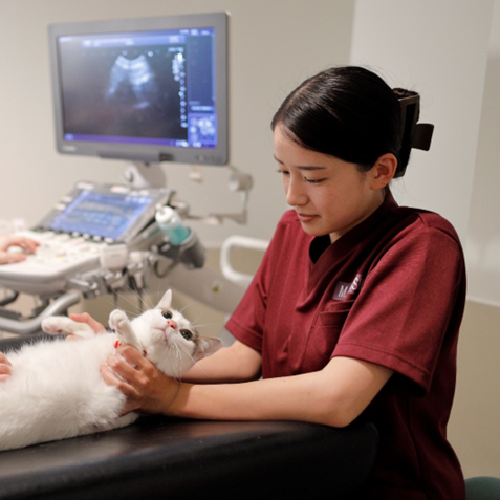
305,217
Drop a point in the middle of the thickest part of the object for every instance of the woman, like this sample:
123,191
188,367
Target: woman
354,312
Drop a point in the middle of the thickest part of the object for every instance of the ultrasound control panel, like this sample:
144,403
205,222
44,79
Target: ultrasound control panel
91,220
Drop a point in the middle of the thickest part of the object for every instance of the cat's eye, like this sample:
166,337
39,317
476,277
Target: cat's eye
167,314
186,334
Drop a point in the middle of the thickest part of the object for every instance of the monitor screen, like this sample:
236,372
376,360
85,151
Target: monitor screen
147,90
110,212
99,214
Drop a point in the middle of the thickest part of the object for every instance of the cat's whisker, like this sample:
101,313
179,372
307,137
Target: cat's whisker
150,299
203,325
132,299
177,362
110,303
134,302
184,308
185,349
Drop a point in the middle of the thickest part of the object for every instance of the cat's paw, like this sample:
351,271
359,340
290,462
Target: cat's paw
118,320
62,325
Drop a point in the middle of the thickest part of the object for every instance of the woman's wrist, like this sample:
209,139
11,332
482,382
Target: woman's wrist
170,404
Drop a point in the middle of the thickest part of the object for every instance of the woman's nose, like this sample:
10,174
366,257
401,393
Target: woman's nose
295,194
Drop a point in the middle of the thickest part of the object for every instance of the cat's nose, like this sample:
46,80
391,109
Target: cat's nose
171,323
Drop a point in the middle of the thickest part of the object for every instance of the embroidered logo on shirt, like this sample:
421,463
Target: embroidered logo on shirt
342,289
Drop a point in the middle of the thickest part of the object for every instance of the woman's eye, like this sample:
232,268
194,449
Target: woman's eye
314,181
186,334
166,314
282,172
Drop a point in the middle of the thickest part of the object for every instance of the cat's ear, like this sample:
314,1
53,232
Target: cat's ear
166,300
206,347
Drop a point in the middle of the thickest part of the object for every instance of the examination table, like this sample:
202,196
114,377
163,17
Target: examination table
161,457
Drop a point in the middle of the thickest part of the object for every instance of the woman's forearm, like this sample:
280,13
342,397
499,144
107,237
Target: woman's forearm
237,363
270,399
333,396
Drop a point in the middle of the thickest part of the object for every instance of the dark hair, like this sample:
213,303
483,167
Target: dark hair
348,112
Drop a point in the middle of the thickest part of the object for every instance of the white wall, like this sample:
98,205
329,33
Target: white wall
274,46
438,48
483,237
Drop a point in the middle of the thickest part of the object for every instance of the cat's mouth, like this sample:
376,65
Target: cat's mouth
165,332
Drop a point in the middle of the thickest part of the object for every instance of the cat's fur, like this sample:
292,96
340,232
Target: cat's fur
56,390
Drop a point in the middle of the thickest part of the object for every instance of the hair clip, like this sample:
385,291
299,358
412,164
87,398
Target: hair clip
413,135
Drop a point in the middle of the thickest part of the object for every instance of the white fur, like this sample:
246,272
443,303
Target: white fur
56,390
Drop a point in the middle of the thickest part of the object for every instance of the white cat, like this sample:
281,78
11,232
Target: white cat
56,390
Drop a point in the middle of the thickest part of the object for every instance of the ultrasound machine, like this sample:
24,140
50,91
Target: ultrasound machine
149,91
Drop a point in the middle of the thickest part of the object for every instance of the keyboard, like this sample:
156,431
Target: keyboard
58,258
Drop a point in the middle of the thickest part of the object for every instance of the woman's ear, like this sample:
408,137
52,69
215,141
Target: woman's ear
383,170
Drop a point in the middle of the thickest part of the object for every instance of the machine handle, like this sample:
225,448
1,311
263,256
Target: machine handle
227,269
58,306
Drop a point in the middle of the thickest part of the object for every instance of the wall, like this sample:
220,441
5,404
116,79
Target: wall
483,236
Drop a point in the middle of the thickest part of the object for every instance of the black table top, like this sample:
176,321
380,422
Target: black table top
158,457
161,457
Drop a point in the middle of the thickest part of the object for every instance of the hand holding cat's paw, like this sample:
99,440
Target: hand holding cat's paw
61,325
86,318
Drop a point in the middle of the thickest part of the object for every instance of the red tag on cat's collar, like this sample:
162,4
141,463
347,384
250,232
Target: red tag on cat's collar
118,344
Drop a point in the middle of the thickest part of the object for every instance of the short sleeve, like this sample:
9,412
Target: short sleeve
247,321
404,309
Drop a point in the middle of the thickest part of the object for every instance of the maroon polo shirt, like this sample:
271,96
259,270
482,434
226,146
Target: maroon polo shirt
391,292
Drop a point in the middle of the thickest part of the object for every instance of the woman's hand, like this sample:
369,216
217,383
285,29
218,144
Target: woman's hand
5,371
85,318
147,389
27,245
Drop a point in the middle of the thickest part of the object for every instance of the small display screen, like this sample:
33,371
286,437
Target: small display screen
108,215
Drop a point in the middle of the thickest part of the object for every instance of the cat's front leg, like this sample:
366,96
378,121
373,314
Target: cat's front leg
119,322
60,324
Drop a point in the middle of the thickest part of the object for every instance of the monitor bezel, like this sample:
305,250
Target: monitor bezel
139,152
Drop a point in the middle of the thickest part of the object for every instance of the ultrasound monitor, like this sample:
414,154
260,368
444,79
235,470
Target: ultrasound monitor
145,90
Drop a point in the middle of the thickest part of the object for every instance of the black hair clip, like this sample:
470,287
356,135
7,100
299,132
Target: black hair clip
414,135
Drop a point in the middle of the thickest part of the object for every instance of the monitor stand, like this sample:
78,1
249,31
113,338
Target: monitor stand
145,175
